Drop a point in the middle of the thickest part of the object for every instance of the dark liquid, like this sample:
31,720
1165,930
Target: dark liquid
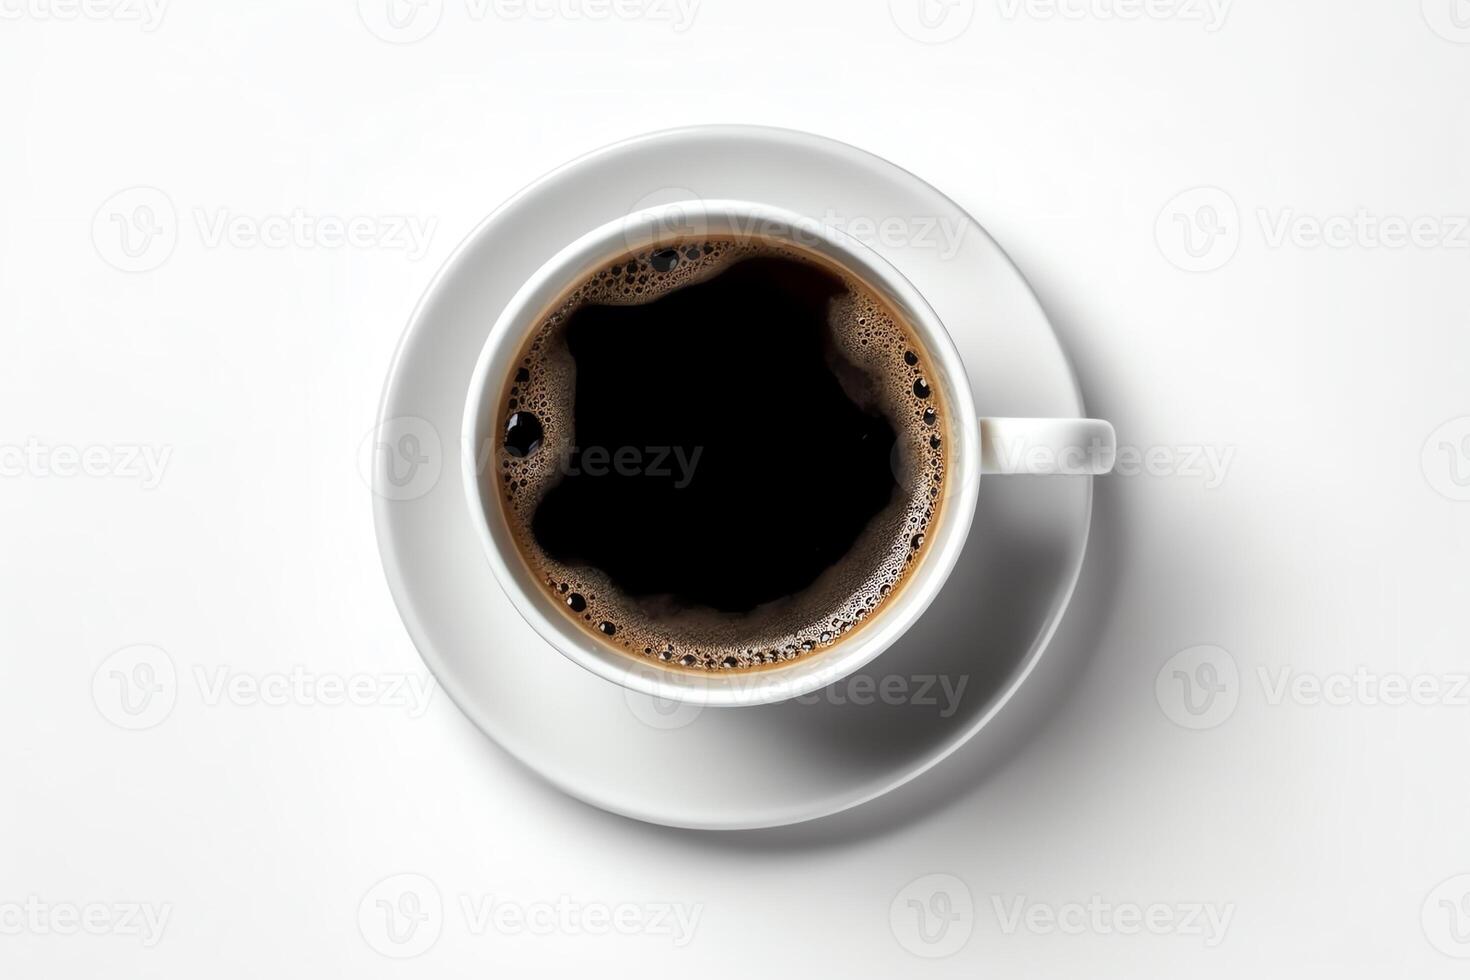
770,469
721,454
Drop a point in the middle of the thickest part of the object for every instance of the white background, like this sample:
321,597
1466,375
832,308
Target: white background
1335,543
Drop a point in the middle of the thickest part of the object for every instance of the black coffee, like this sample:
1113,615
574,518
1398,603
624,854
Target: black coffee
721,454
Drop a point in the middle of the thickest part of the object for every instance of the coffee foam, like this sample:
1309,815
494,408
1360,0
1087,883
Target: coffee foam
890,369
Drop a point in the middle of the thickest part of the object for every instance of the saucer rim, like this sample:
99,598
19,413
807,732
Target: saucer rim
399,586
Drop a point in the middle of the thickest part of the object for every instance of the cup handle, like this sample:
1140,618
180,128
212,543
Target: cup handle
1075,447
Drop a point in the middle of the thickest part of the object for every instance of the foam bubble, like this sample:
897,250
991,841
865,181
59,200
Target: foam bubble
890,363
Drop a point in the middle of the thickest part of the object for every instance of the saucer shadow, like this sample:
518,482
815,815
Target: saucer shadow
981,630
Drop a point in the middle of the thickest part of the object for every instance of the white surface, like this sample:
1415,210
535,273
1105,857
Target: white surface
814,753
1337,538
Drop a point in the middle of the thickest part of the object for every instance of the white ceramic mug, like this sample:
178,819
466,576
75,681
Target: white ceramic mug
975,446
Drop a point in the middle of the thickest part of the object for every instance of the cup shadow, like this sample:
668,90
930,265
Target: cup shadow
981,631
985,638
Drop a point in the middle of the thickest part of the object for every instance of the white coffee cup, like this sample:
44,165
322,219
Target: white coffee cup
975,446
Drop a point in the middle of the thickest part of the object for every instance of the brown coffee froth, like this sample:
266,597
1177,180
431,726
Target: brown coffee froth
876,362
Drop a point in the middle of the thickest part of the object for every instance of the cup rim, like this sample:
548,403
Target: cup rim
756,686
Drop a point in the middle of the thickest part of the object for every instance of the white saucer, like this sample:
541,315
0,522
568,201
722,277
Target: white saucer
728,768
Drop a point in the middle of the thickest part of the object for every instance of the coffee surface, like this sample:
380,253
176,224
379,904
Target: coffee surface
720,454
